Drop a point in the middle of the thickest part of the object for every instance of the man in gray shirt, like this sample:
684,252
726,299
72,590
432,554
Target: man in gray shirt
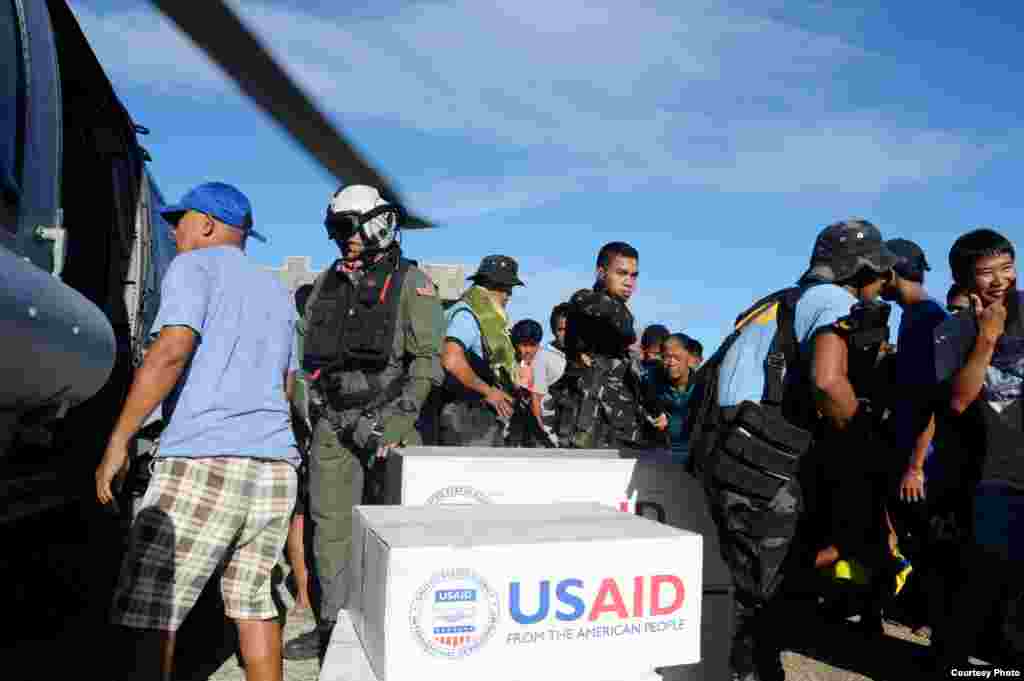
224,479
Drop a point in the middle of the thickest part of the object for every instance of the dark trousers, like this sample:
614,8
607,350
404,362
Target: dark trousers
470,424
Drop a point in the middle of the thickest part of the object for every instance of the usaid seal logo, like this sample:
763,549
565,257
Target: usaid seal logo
458,494
454,614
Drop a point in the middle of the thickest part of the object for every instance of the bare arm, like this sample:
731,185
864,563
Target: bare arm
155,379
833,393
453,359
968,381
924,440
289,386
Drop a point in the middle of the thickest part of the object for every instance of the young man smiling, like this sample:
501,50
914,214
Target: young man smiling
979,359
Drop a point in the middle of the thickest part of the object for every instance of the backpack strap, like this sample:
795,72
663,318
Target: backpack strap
783,350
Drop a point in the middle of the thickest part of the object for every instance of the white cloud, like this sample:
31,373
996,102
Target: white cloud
695,94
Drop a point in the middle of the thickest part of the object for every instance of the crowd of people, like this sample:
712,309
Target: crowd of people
827,455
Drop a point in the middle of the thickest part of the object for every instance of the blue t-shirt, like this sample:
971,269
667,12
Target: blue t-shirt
463,327
818,308
741,374
914,373
230,400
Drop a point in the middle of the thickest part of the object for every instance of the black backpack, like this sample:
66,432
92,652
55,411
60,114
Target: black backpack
748,455
706,414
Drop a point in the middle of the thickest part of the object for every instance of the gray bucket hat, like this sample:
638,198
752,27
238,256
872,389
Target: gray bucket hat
842,249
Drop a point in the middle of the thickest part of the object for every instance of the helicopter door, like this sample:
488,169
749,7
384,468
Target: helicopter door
12,120
34,178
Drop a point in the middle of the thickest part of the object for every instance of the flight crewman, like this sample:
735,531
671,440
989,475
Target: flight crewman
373,335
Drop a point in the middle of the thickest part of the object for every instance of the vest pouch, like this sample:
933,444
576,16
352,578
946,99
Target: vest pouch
320,347
742,444
728,470
621,410
770,426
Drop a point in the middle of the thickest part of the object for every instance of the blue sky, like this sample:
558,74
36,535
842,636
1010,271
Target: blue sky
716,137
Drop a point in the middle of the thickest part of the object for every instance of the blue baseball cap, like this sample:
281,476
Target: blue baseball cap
218,200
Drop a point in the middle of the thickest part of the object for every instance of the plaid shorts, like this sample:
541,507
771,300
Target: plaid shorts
198,516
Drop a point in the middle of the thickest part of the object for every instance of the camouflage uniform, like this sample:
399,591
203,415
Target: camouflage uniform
597,402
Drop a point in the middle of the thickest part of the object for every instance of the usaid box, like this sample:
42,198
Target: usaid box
647,483
499,475
522,593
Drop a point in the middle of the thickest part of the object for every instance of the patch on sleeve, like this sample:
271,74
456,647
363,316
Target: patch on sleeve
428,287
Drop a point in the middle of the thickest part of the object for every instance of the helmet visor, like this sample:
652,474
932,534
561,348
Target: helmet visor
371,225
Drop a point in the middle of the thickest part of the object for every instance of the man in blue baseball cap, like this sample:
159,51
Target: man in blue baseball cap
224,479
194,218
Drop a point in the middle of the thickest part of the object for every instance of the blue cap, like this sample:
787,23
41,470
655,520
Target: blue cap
218,200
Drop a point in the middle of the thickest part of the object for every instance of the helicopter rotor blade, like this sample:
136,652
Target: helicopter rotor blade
218,31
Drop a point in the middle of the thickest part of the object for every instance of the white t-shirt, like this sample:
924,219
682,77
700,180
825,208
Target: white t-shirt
548,367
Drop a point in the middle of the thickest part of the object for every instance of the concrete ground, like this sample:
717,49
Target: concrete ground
895,657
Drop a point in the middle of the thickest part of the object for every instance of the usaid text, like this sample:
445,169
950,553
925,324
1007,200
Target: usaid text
643,596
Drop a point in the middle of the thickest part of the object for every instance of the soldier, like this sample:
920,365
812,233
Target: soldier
479,359
793,371
839,325
597,401
374,326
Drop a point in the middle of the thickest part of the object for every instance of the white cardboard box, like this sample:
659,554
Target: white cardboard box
346,660
504,475
523,593
644,482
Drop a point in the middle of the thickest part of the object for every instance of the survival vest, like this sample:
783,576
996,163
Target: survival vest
489,367
353,327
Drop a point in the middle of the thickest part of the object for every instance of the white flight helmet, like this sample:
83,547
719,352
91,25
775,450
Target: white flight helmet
359,207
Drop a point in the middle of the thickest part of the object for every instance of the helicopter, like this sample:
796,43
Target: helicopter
83,248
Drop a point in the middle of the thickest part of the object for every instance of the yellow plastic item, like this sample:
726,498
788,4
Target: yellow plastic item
854,572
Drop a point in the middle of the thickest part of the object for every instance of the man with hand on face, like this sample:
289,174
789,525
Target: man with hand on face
479,359
597,400
373,334
979,358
